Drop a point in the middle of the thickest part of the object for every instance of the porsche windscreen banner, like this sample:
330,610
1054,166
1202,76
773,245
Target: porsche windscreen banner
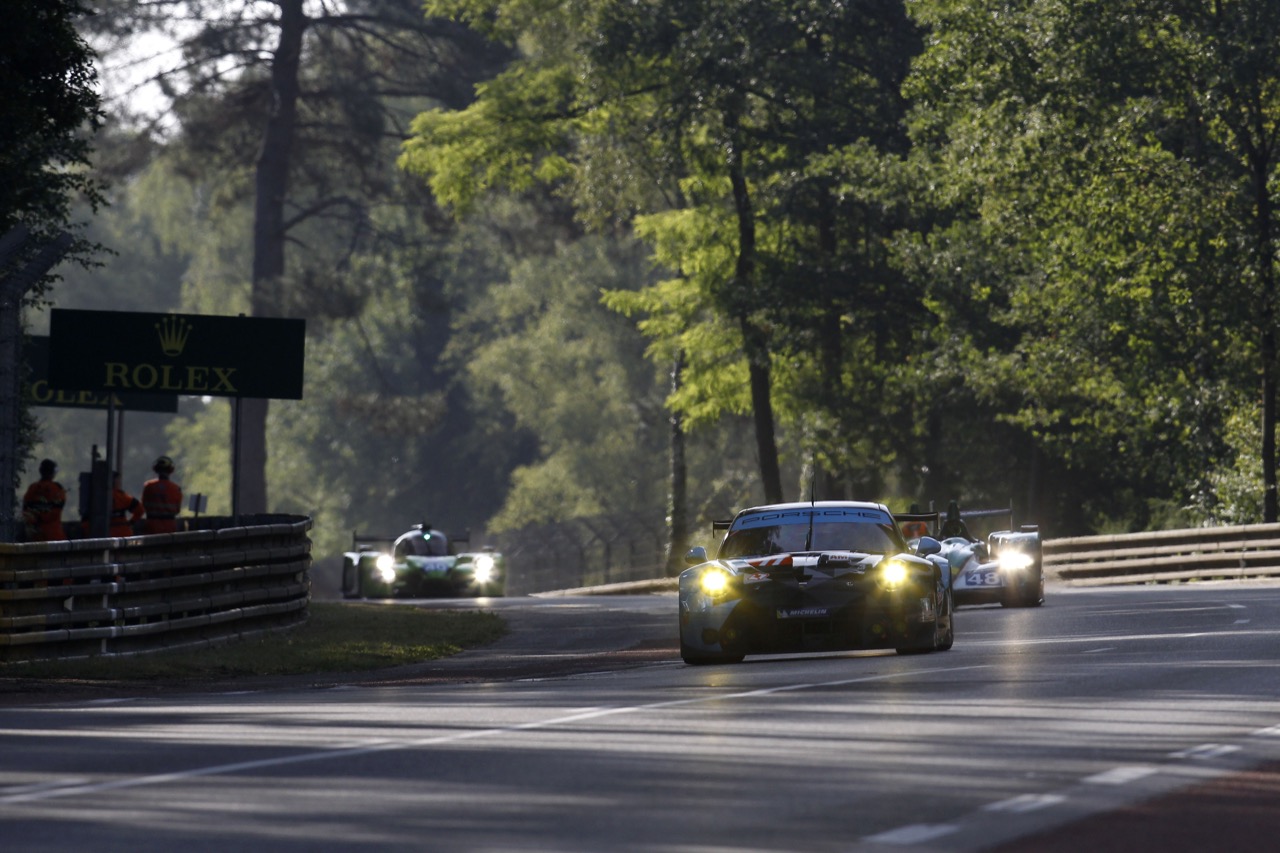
215,356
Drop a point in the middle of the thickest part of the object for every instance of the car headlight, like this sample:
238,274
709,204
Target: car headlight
483,567
1015,560
893,574
715,582
386,566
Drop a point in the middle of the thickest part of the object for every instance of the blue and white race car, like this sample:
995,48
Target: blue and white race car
1006,568
819,576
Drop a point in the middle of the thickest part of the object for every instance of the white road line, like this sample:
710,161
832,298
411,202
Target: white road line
43,786
1121,775
916,833
1205,751
388,745
1025,803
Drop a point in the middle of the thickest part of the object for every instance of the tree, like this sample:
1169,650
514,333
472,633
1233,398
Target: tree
284,86
1098,220
50,111
719,105
47,118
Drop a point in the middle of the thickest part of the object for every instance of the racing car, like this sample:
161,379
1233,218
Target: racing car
1007,567
818,576
419,563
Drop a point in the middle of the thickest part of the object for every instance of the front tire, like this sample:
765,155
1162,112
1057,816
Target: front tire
942,634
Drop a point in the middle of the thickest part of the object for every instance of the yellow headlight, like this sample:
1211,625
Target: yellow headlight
1016,560
893,574
715,582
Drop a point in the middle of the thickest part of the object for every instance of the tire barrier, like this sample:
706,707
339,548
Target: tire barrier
1166,556
140,594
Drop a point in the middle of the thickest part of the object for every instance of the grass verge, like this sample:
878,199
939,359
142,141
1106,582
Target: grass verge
336,638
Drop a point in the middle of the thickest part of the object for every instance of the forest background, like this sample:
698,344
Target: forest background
613,269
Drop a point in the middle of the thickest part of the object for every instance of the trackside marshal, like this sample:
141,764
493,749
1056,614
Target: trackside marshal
126,351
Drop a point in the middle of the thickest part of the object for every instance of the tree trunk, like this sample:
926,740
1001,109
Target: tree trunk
678,504
1266,272
271,187
830,341
754,340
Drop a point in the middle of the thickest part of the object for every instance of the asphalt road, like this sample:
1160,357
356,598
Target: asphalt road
1144,718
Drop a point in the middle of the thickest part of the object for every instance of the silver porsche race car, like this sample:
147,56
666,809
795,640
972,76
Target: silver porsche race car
819,576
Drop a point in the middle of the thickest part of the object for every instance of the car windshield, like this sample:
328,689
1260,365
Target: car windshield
419,545
762,536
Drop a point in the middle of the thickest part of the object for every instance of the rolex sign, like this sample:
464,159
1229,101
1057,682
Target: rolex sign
129,352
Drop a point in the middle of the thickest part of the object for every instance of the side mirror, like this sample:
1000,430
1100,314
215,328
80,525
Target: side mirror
927,546
697,554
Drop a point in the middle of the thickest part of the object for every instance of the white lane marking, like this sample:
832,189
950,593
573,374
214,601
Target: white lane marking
383,745
1025,803
1271,731
1242,622
1205,751
1121,775
1119,638
1100,651
915,833
43,786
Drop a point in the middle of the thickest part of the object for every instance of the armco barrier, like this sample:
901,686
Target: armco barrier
1167,556
126,595
1202,553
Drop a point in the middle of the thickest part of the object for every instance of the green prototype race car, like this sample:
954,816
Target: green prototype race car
421,563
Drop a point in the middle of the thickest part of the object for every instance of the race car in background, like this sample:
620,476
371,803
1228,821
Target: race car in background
422,562
1006,568
819,576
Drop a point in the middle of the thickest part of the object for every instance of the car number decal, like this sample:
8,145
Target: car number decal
982,577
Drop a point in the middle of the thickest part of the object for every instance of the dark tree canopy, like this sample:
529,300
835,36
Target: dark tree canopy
47,114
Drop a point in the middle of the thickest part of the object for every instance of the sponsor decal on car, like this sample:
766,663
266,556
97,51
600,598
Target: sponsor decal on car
803,612
778,560
817,516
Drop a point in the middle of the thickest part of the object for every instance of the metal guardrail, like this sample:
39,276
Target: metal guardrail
1166,556
128,595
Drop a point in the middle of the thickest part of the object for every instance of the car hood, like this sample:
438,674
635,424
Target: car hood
809,566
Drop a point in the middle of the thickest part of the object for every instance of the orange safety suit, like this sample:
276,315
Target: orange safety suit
125,510
162,500
42,510
914,530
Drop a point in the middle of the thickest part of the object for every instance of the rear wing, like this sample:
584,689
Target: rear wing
926,517
987,513
992,513
371,543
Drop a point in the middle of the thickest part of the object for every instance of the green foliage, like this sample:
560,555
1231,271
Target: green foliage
1095,225
49,112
